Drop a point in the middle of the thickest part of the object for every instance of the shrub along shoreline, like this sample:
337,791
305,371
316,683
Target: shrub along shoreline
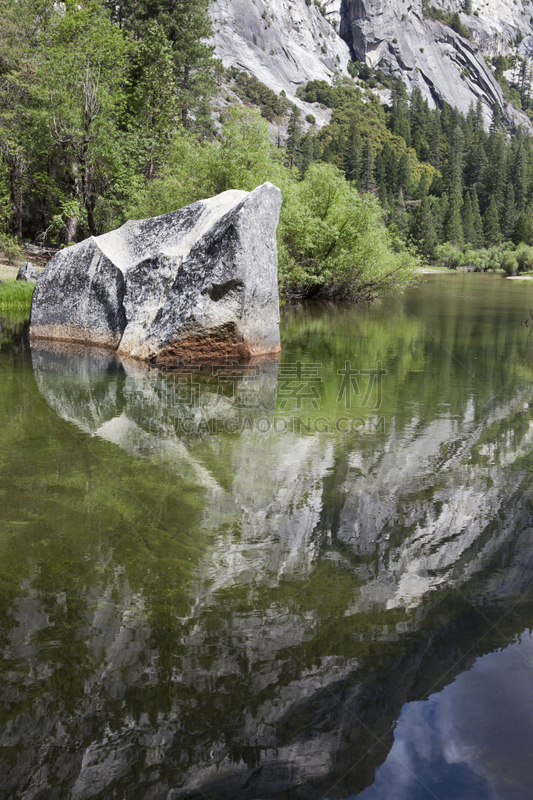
507,257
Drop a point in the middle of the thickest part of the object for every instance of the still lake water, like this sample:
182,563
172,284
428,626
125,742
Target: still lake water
307,580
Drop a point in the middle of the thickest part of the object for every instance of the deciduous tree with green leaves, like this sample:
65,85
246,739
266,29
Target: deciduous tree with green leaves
64,119
333,242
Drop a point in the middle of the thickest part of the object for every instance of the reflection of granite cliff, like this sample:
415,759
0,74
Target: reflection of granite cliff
262,703
383,484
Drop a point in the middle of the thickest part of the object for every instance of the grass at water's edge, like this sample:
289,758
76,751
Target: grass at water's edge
16,295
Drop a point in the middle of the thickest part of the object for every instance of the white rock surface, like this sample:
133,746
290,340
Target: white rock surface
280,42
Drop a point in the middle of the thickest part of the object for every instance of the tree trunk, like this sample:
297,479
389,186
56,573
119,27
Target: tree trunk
72,229
16,200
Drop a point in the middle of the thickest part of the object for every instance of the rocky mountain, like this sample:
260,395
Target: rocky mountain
286,43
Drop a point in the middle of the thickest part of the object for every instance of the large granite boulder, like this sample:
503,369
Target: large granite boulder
196,284
27,272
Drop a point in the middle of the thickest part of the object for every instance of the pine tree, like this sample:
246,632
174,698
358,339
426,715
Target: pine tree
495,177
521,230
491,224
400,216
307,153
453,228
496,124
400,112
369,180
522,78
479,115
187,27
353,155
519,175
435,139
387,168
476,165
509,213
422,188
153,106
440,210
469,234
477,222
294,135
419,116
423,229
404,174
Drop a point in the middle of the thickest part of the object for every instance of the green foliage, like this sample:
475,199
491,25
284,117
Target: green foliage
89,106
153,102
10,248
245,156
62,139
451,19
242,158
509,263
294,136
423,231
499,257
318,92
16,295
458,26
248,87
491,225
187,28
501,64
478,260
352,69
5,200
409,152
333,242
447,255
524,257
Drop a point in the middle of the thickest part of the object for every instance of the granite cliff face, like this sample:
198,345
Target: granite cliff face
447,67
285,44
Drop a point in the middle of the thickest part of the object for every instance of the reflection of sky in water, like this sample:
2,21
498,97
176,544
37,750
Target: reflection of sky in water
472,741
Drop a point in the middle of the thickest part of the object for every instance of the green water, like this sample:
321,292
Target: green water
310,579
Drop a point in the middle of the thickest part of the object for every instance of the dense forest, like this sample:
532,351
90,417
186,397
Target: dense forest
116,110
460,193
